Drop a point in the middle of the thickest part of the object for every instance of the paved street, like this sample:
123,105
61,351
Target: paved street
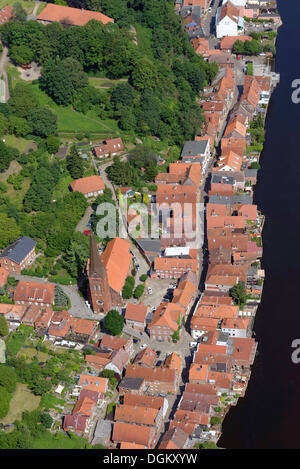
209,21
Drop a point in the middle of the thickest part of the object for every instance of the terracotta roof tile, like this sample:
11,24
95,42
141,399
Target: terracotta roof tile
71,16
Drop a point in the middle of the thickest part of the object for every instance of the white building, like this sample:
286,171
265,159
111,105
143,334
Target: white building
228,21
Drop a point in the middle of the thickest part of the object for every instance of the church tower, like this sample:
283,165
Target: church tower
99,292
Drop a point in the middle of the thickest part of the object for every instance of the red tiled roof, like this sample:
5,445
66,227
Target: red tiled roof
126,432
136,312
71,16
117,260
88,184
6,14
35,292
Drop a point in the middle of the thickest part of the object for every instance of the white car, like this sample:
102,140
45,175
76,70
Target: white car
193,344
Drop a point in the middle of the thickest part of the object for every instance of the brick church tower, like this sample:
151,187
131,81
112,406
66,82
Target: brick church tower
99,294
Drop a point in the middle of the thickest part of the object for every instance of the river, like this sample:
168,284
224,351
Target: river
268,415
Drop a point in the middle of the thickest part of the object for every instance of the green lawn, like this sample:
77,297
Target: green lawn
70,121
49,401
32,352
17,142
59,441
62,187
18,196
40,8
28,6
105,82
23,399
13,168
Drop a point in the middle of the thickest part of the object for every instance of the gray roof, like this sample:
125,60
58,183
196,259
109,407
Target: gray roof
238,176
250,173
102,431
131,383
244,199
19,249
222,179
223,337
194,148
149,245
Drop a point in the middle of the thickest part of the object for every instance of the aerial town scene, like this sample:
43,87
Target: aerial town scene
131,247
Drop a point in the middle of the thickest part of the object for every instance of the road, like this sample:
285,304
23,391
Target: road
3,62
209,21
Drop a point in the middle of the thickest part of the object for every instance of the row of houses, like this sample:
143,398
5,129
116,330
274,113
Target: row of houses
58,326
139,418
225,351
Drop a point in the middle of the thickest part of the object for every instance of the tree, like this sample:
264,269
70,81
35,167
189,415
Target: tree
5,398
238,47
7,154
55,81
138,292
19,14
9,230
42,121
3,124
75,163
46,420
60,297
144,74
22,100
114,322
21,54
18,126
238,293
3,329
52,143
128,287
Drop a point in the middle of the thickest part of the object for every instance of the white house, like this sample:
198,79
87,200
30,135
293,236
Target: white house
228,21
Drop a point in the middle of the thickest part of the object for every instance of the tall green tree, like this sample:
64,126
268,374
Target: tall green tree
75,163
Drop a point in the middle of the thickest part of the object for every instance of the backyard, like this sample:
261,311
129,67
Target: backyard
23,399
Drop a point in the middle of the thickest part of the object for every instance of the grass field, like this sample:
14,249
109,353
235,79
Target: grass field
28,6
13,168
105,82
62,188
31,352
17,142
22,400
70,121
18,196
40,8
59,441
49,401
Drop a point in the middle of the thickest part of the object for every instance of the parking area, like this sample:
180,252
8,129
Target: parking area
159,288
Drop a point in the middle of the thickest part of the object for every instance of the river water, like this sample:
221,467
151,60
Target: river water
269,414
